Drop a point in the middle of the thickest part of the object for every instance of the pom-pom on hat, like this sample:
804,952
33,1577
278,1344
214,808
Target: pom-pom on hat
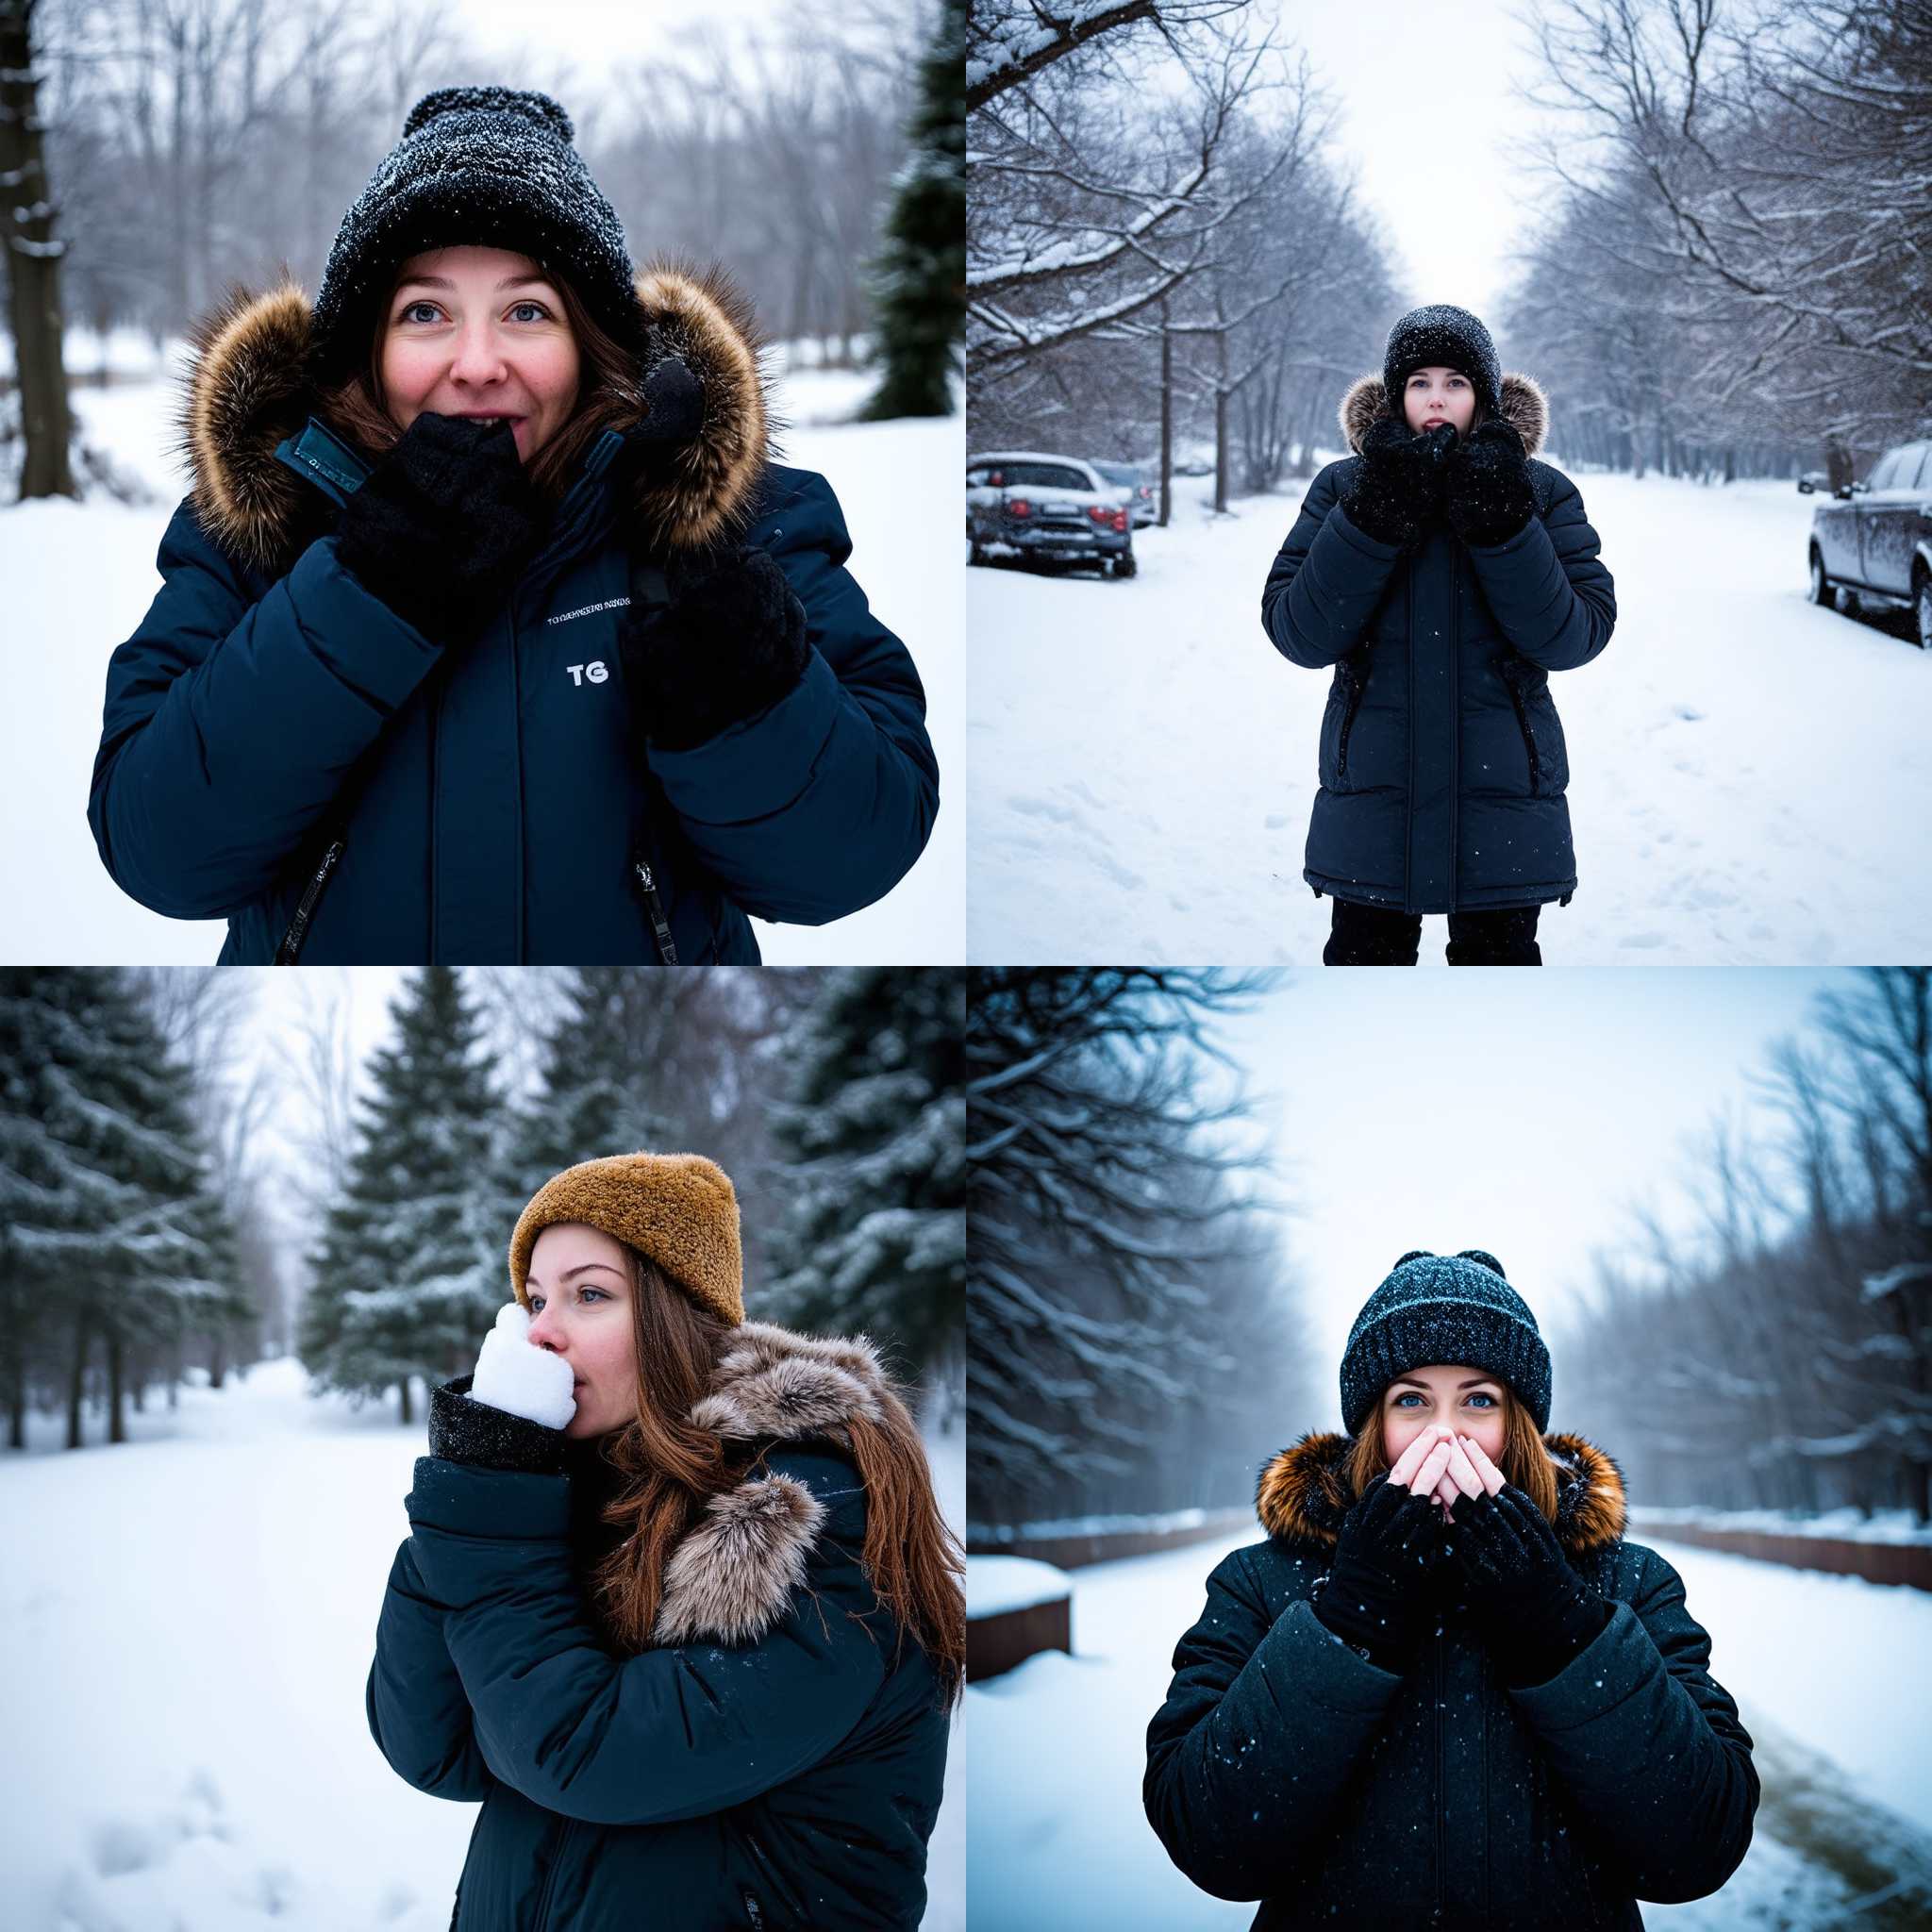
488,166
1442,336
679,1209
1444,1308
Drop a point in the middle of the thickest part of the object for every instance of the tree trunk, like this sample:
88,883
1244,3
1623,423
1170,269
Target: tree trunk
117,1425
1166,420
76,1382
33,265
409,1411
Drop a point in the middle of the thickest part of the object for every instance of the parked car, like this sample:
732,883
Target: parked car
1141,498
1193,467
1046,510
1872,543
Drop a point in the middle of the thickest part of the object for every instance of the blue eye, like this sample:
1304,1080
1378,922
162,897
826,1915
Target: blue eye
537,1300
541,311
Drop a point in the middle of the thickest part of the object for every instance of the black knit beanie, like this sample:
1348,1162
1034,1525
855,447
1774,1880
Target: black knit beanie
1451,1309
1442,336
488,166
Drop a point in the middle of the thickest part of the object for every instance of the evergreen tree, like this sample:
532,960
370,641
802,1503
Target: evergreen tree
109,1232
875,1128
411,1270
922,270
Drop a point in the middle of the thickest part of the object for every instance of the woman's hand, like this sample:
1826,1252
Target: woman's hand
1398,481
1487,497
1462,1470
515,1376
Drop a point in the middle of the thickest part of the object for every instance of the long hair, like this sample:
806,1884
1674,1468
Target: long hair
1524,1461
672,1469
608,393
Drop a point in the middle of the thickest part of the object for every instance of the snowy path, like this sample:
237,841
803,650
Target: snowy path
1750,775
79,577
191,1617
1821,1668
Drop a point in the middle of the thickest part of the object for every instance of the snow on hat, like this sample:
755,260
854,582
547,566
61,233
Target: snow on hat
1444,1308
1440,336
679,1209
491,166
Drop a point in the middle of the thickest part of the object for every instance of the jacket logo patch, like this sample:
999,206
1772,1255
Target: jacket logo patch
588,609
595,671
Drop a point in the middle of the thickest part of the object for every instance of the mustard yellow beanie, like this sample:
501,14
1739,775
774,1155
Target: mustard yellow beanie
677,1209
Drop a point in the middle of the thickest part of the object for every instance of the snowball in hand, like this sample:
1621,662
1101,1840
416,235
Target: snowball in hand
512,1374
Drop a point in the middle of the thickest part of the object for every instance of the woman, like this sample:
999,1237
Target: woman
422,687
677,1605
1446,1685
1443,574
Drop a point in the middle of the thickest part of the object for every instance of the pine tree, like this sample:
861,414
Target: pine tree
103,1186
876,1132
922,270
410,1269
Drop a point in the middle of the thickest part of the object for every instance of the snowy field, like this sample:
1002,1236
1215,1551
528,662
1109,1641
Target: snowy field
191,1619
1832,1677
1749,775
79,577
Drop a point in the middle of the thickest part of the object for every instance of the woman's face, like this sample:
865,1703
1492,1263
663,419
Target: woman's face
580,1295
1440,395
476,332
1464,1400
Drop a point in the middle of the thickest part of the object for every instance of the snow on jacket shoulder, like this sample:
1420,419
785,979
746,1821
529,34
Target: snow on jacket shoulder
1441,764
487,804
770,1762
1286,1768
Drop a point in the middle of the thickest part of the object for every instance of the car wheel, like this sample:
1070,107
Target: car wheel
976,555
1820,584
1845,602
1922,607
1125,566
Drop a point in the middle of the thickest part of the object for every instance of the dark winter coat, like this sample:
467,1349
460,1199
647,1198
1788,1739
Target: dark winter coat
1441,761
499,792
1285,1767
767,1765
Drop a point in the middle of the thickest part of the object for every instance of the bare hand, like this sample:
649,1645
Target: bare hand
1441,1463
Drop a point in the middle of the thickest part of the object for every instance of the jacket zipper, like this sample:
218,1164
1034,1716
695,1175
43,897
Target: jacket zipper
290,947
1356,685
1455,714
1441,1775
763,1858
542,1918
653,905
1535,764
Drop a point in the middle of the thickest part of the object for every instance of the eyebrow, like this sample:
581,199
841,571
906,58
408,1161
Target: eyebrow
582,1268
1473,1382
444,282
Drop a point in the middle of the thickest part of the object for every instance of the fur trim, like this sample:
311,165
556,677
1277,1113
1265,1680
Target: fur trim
679,1209
1524,407
732,1575
773,1382
247,387
1302,1496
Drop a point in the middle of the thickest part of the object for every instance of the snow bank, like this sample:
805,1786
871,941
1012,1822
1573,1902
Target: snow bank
995,1585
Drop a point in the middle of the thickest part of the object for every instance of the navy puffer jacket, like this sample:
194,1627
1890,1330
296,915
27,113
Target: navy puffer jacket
1286,1768
1441,764
272,724
771,1763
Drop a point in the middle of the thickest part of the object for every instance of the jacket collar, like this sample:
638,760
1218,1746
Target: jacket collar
1524,407
247,428
1302,1495
732,1576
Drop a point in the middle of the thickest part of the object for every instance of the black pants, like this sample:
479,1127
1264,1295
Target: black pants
1379,936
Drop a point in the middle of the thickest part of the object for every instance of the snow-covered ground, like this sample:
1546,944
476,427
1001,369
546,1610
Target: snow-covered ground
189,1620
79,578
1832,1677
1749,775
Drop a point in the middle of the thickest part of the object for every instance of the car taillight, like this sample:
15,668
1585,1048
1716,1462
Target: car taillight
1019,507
1099,513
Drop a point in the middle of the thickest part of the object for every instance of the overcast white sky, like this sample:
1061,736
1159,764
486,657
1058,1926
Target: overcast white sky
1520,1113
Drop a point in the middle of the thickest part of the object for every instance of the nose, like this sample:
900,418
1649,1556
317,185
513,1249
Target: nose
478,359
544,1333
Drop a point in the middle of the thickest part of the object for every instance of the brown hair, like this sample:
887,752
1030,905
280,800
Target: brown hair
1524,1461
608,393
912,1557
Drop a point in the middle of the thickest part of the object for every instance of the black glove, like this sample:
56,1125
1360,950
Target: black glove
1377,1596
1534,1612
673,414
1489,497
461,1430
729,644
1398,481
444,525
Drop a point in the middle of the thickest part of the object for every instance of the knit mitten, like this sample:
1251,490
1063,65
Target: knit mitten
1536,1613
1487,497
444,525
729,644
1397,491
1376,1595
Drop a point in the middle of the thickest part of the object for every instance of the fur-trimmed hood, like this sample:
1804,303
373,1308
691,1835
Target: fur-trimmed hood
1303,1497
1524,407
733,1572
246,388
